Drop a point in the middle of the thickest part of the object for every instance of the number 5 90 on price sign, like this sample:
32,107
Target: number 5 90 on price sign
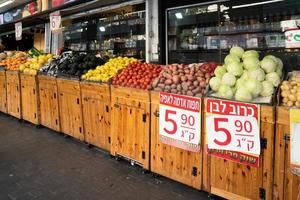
180,121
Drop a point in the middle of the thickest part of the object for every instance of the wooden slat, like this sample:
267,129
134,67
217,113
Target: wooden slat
13,87
169,161
3,100
49,111
70,108
96,114
130,136
30,98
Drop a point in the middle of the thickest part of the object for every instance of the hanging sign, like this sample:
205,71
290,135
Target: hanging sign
233,131
180,121
18,31
292,38
55,21
295,140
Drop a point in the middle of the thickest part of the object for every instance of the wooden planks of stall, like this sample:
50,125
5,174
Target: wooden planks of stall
3,100
175,163
13,87
70,110
231,180
30,98
130,124
96,114
49,110
286,184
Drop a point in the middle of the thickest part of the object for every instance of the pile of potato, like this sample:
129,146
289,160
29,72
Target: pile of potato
290,91
190,80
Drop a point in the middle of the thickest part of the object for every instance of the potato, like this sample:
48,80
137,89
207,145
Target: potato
190,77
183,78
175,79
162,80
290,103
293,91
168,82
190,93
158,89
284,94
167,87
285,100
200,79
292,97
161,85
196,90
175,73
173,86
186,71
199,95
207,75
297,103
185,87
203,84
155,82
189,83
196,83
173,91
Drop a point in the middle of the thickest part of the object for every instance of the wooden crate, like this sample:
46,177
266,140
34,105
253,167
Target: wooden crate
49,112
30,98
13,87
231,180
286,185
130,124
3,100
174,163
96,114
70,110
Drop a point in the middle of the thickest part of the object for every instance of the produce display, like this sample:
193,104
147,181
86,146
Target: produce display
191,80
51,68
244,77
138,75
12,60
34,64
104,73
78,63
290,90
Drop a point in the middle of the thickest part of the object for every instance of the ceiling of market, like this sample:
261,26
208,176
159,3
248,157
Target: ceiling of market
14,4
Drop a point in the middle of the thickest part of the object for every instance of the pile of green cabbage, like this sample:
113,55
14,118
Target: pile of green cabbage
244,77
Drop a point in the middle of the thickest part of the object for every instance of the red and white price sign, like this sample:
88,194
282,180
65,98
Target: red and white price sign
233,126
55,21
180,121
18,30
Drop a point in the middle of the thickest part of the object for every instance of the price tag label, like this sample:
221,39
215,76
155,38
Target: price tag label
18,31
180,121
55,21
292,38
233,131
295,140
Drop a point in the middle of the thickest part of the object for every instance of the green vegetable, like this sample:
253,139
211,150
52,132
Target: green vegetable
220,71
250,53
253,86
257,74
245,75
279,72
225,92
235,68
273,78
237,51
251,63
267,89
242,94
268,65
228,79
215,83
231,58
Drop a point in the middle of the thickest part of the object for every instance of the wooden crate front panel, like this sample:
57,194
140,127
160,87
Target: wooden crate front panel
286,184
130,133
70,111
13,87
49,112
236,181
169,161
96,114
30,98
3,100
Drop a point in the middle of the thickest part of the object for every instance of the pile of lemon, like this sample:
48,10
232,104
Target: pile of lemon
110,69
33,65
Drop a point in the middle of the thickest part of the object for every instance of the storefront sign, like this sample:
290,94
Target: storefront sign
295,140
18,30
55,21
233,131
180,121
292,38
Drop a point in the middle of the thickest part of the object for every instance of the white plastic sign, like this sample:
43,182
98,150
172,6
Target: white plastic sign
55,21
180,121
18,30
292,38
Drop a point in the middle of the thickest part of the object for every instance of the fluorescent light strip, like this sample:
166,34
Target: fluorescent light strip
6,3
256,4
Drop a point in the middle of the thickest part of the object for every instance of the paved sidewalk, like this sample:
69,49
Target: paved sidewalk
41,164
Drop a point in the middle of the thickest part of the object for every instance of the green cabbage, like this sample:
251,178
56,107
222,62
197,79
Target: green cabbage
258,74
273,78
253,86
245,75
268,65
237,51
231,58
235,68
267,89
225,92
240,83
279,72
220,71
215,83
279,64
251,63
242,94
250,53
228,79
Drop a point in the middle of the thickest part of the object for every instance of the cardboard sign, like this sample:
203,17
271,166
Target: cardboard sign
55,21
292,38
180,121
295,140
233,131
18,30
